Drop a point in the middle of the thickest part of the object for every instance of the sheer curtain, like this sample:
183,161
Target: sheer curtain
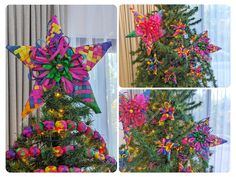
216,20
216,105
25,24
95,24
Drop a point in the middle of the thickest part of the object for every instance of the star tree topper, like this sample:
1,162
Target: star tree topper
57,63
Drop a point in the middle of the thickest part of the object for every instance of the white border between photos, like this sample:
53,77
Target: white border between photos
232,87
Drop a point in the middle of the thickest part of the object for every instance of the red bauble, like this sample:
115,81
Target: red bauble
34,151
63,168
22,153
82,127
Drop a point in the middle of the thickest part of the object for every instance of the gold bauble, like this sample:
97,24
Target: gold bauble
161,123
57,94
62,111
140,168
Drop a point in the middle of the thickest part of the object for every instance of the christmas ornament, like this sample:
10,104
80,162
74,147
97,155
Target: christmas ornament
27,132
148,28
49,125
39,170
196,72
167,112
202,46
51,112
51,169
71,125
201,139
22,153
58,151
132,111
152,64
10,154
69,148
123,158
170,76
91,152
60,125
38,127
58,94
99,156
89,132
58,63
102,149
110,160
82,127
179,29
96,135
165,146
34,151
63,168
182,52
75,169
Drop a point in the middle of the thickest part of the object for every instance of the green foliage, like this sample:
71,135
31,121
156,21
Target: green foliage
143,153
72,106
164,50
60,106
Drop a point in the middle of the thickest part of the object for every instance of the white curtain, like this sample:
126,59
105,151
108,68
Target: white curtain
216,105
95,24
216,20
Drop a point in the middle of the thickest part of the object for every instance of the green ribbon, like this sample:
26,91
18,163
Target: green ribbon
202,45
56,73
131,34
200,136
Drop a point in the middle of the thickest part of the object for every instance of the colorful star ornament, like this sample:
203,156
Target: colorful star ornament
170,76
201,139
57,63
167,112
202,46
152,64
148,28
132,111
182,51
165,146
179,29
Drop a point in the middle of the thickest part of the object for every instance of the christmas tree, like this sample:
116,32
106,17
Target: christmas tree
170,52
161,135
62,140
